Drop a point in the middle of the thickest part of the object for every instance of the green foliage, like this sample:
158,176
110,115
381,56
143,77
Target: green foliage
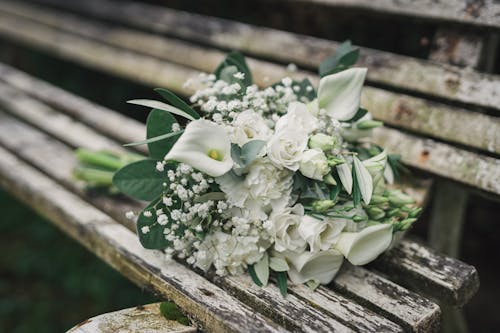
253,275
245,155
356,193
282,283
345,56
171,312
359,114
154,239
140,180
177,102
234,59
159,123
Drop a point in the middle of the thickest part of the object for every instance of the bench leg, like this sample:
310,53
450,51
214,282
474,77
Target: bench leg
447,218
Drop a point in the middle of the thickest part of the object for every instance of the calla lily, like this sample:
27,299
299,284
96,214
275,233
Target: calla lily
362,247
339,94
320,235
205,146
320,267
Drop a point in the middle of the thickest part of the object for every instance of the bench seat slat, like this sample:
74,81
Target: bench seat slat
414,114
121,249
44,155
385,68
458,293
160,73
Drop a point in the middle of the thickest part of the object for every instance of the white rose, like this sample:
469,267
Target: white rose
249,125
285,148
320,234
286,226
362,247
314,164
298,117
320,266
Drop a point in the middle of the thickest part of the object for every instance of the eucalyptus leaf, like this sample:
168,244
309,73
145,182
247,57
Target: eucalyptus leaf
345,56
160,123
250,150
214,196
140,180
262,269
155,238
161,106
365,181
177,102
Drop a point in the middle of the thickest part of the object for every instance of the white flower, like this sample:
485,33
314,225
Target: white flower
340,93
322,141
249,125
205,146
320,267
285,225
320,234
285,148
314,164
362,247
130,215
145,229
297,118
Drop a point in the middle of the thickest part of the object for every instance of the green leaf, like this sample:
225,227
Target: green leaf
306,90
238,60
162,106
253,275
155,139
356,194
261,269
250,150
344,57
364,180
334,192
177,102
160,123
359,114
282,283
140,180
155,238
278,264
345,176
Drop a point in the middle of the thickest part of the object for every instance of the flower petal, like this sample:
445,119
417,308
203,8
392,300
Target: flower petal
340,93
362,247
200,138
320,266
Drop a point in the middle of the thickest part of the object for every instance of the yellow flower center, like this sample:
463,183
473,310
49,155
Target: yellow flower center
215,155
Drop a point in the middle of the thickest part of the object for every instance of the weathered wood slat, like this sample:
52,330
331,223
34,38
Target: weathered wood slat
409,252
216,310
45,153
142,318
482,14
385,68
404,111
161,73
89,112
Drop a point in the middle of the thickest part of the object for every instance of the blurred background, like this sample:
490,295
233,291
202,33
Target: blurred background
49,283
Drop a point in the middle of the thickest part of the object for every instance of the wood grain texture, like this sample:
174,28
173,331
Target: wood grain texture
47,167
142,318
485,13
388,69
215,309
415,114
479,171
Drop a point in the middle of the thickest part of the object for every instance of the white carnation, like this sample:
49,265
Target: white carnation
249,125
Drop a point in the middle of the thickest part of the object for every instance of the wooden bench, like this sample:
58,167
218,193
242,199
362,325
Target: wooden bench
37,168
130,40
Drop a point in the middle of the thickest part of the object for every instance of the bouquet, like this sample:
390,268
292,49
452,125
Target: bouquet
281,181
